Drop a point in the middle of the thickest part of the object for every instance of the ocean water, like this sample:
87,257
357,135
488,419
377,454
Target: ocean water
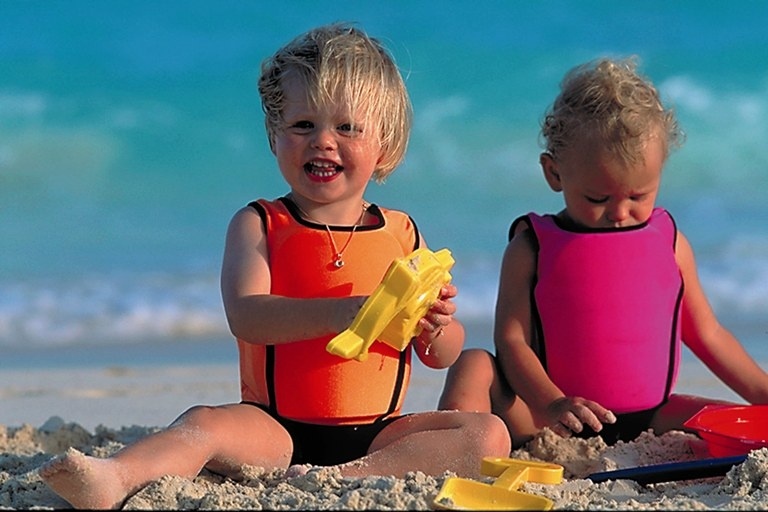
131,131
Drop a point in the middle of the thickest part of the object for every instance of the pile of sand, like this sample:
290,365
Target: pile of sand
25,448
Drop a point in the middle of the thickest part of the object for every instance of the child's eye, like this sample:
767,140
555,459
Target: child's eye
302,125
597,200
350,129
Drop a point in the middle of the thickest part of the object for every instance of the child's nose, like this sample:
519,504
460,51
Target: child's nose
324,139
618,213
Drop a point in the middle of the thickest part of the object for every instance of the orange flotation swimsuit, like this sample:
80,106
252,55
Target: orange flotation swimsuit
301,381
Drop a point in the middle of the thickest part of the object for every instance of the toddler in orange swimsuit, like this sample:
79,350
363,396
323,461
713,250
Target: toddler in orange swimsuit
296,271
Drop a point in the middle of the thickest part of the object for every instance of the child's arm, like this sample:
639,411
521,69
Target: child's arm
711,342
521,367
442,337
256,316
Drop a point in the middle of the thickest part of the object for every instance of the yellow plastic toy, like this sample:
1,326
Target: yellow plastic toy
392,312
464,494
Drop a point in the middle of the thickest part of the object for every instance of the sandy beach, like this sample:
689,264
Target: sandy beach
131,132
98,408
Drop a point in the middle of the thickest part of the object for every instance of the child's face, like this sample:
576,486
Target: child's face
601,191
324,154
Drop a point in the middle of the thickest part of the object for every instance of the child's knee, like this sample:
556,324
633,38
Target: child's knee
475,366
201,417
474,360
495,436
469,382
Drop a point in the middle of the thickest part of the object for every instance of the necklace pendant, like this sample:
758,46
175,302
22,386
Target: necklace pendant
338,263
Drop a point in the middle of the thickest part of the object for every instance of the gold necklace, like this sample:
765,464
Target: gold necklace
338,260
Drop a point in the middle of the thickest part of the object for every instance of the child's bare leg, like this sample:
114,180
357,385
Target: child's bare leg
433,442
224,437
473,383
468,383
678,409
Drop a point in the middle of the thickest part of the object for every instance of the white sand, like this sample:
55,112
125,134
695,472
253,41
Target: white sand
98,405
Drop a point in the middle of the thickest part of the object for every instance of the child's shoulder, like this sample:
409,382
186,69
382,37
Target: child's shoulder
398,222
523,224
388,210
390,214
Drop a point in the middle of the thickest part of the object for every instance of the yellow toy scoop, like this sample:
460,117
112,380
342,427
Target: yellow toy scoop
464,494
392,312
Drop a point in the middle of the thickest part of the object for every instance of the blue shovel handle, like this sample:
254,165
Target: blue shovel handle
687,470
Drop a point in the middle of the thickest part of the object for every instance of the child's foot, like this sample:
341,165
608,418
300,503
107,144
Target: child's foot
85,482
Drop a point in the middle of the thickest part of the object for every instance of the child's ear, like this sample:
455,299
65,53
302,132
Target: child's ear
551,174
271,144
382,156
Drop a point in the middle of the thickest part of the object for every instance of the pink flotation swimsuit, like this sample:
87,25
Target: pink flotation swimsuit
607,304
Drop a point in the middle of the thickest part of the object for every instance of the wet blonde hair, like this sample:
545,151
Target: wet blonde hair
609,100
339,64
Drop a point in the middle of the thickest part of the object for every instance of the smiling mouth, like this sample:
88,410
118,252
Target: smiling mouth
322,169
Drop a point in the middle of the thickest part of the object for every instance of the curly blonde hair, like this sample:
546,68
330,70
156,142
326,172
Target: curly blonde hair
609,100
338,63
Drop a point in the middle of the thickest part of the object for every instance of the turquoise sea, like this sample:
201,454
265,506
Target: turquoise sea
131,131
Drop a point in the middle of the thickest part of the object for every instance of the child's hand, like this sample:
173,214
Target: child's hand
439,343
440,314
569,414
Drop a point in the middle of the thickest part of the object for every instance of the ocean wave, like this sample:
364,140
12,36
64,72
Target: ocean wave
735,278
21,105
725,126
108,309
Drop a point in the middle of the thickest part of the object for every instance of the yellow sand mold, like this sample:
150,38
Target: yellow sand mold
464,494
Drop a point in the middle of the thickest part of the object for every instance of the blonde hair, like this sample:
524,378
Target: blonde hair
610,100
339,63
